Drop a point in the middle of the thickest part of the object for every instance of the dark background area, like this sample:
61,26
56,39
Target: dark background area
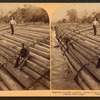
47,1
49,98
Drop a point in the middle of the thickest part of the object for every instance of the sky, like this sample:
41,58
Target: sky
10,7
60,13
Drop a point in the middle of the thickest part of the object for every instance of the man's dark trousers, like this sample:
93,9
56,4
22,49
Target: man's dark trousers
12,29
94,27
98,64
17,61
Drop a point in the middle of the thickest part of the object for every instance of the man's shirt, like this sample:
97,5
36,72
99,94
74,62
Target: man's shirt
95,23
12,22
24,53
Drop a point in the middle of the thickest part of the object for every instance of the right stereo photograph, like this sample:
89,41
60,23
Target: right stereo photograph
75,47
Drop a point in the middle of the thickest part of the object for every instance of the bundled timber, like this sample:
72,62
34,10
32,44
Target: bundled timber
82,53
35,74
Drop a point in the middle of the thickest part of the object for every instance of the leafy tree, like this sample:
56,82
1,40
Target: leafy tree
97,16
64,20
72,13
28,14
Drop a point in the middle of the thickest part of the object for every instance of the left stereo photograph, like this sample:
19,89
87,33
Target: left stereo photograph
24,48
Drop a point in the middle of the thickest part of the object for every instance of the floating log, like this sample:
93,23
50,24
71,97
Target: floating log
80,55
81,81
84,60
38,30
42,48
45,45
45,55
10,82
39,58
19,75
16,39
92,83
37,34
3,86
36,66
33,34
11,41
36,76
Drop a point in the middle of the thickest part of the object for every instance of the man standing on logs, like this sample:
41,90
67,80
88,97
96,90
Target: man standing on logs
95,22
23,56
98,63
12,22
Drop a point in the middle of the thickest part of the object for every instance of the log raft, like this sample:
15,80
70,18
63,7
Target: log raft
82,53
35,74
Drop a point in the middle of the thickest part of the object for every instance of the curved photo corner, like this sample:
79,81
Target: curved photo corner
24,48
75,52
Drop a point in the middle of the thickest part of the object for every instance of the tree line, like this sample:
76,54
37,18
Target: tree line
72,16
27,14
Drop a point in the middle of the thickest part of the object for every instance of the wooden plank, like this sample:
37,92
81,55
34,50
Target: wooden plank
85,44
97,39
5,55
46,42
45,82
2,60
42,48
31,54
24,79
8,45
82,75
35,34
38,87
83,37
42,31
10,82
81,58
44,65
14,38
81,81
83,84
3,86
86,48
89,79
40,58
24,38
88,56
90,40
45,55
91,67
9,48
29,33
45,45
35,67
35,75
11,41
29,36
38,69
30,72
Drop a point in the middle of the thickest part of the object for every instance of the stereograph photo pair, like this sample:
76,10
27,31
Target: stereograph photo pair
36,54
